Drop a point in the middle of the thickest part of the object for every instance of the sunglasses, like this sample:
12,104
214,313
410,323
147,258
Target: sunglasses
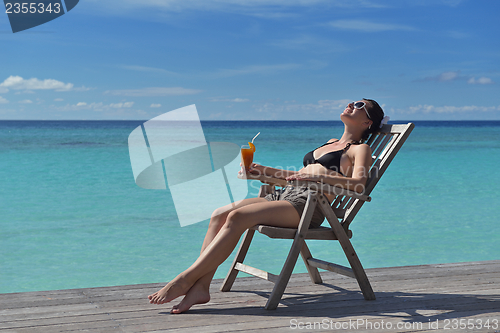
360,105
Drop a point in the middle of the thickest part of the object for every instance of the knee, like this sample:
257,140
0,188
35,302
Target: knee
235,219
218,217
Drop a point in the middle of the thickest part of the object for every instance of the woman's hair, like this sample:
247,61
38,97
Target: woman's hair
376,114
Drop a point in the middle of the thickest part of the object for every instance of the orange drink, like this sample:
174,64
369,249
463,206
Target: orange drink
247,155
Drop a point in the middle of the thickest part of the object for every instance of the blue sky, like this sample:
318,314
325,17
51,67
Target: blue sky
255,60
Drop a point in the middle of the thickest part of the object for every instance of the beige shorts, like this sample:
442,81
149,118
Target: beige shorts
297,196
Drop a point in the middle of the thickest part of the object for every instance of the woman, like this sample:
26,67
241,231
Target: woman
344,162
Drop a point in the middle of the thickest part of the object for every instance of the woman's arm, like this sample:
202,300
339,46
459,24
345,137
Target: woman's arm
357,182
257,169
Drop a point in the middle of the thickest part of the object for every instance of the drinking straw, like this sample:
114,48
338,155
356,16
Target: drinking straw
255,136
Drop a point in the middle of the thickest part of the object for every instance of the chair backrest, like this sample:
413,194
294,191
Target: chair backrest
384,144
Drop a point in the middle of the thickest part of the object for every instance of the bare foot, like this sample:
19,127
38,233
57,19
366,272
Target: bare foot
171,291
196,295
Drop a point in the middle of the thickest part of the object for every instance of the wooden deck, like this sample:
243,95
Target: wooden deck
409,299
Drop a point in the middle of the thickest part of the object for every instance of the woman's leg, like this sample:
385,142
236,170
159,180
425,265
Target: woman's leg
199,293
275,213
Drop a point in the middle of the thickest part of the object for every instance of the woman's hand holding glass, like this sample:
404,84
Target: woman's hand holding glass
254,169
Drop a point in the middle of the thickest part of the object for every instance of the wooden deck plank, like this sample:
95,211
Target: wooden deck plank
425,293
116,303
136,292
140,304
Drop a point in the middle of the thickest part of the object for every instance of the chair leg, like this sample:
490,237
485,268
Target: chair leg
284,277
313,271
298,242
240,256
349,251
357,268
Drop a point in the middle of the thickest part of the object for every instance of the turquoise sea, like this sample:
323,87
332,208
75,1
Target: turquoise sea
71,215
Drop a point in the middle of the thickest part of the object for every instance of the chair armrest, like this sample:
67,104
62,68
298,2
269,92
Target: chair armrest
323,188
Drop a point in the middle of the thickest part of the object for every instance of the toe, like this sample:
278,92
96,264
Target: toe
177,309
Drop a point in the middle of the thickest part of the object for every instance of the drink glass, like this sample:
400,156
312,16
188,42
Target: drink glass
247,156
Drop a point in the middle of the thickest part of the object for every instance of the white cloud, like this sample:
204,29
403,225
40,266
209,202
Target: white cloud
256,69
447,76
153,91
217,73
481,80
457,34
121,105
58,100
455,76
321,107
148,69
18,83
26,101
431,3
366,26
261,8
288,109
444,77
155,105
215,115
96,106
234,100
3,100
427,109
452,3
311,44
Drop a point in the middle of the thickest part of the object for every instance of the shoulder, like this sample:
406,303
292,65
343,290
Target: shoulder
362,147
332,140
361,150
360,155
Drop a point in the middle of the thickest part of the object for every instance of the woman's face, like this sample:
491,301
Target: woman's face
354,115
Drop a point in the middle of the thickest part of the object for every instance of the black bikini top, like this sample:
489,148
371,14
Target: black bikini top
330,160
